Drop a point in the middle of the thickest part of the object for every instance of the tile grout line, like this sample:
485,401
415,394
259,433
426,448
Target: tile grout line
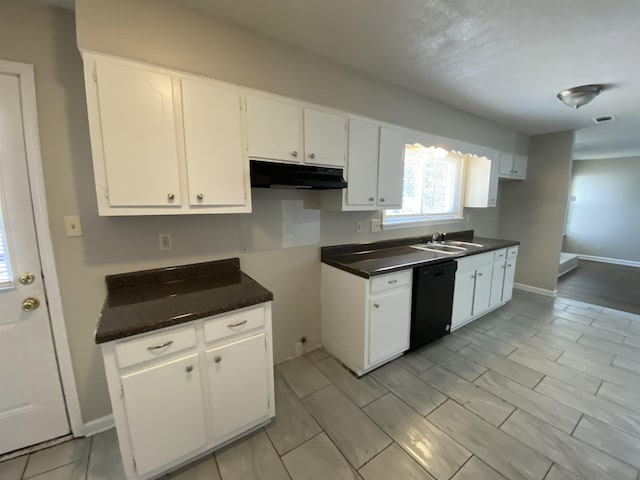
272,446
86,471
549,470
499,427
578,423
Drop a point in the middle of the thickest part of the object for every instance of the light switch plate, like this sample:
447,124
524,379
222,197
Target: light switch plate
164,241
375,225
72,226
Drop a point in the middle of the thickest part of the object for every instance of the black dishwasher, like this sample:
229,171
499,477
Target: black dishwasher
432,303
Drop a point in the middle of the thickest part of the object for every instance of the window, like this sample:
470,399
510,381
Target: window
6,279
432,190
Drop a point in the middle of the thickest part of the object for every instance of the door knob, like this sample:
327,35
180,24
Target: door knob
27,278
30,304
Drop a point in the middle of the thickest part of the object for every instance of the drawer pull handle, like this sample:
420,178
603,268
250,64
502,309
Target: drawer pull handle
237,324
217,359
393,281
158,347
189,368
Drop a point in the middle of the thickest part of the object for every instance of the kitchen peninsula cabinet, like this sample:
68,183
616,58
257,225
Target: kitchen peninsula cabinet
178,392
283,130
164,142
365,322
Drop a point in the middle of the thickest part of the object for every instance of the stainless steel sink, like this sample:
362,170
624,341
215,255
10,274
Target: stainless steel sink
438,248
457,242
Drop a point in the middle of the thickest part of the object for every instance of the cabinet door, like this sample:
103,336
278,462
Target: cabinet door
238,384
274,129
509,275
506,164
478,182
325,138
390,167
482,290
497,283
493,183
216,160
138,132
164,412
462,298
362,163
389,324
520,166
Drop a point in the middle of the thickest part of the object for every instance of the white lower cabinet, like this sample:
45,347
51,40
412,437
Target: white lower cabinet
238,384
181,391
483,283
365,322
165,408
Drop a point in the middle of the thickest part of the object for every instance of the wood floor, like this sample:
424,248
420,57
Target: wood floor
542,388
613,286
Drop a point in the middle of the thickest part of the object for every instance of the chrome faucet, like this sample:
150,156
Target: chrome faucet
438,236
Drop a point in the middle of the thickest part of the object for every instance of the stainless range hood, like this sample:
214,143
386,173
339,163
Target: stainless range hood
286,175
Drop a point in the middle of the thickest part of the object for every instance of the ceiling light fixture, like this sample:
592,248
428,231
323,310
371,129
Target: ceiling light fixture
576,97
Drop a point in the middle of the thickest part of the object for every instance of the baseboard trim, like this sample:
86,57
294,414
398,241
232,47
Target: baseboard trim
99,425
539,291
614,261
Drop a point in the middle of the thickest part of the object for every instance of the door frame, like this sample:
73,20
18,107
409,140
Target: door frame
25,73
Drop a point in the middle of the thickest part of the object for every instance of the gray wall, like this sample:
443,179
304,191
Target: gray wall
156,32
534,211
603,219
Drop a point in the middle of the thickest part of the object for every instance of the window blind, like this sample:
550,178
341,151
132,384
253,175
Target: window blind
6,278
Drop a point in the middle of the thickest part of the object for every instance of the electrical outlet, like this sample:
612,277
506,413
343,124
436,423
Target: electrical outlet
164,240
375,225
358,227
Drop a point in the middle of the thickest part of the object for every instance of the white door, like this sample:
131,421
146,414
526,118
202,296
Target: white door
482,290
362,163
462,298
32,407
216,158
391,167
274,129
138,135
325,138
238,384
164,412
389,325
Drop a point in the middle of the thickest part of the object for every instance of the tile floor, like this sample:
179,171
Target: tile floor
540,389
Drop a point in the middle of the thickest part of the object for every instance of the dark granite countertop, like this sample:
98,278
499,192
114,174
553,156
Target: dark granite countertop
148,300
377,258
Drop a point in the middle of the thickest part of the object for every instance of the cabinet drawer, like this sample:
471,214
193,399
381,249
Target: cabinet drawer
392,280
512,252
500,255
155,345
233,323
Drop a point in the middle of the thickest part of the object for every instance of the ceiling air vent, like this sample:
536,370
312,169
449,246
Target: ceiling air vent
604,119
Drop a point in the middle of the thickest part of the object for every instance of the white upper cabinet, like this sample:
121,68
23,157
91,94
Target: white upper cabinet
481,181
362,172
274,129
135,115
164,142
325,138
391,167
513,166
217,161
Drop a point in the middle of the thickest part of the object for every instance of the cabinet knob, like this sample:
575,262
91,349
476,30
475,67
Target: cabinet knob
479,274
217,359
509,265
312,155
200,196
371,199
171,197
189,368
493,199
294,153
376,305
382,199
515,171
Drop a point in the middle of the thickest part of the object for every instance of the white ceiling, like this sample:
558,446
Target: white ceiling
504,59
